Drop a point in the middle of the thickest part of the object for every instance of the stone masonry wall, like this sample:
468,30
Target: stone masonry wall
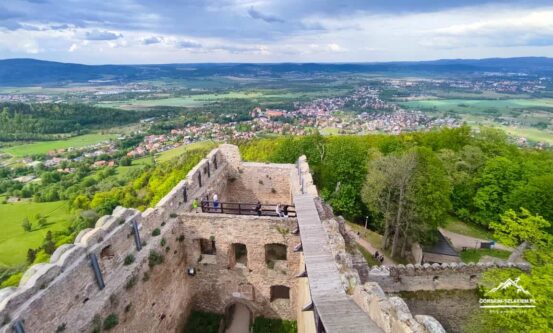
218,283
433,277
64,292
267,183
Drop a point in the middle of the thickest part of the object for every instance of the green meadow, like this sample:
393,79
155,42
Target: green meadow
14,241
43,147
477,105
170,154
201,99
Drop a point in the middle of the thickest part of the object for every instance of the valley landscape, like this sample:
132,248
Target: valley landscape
276,167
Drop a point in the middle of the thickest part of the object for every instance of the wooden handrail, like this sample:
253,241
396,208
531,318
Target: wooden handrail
238,208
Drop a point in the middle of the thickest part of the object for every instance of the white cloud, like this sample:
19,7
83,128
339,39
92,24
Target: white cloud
472,32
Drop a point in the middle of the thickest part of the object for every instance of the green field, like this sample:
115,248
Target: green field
170,154
201,99
14,241
474,255
43,147
468,229
477,105
530,133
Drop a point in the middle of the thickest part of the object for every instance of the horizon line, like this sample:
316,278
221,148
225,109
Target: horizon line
284,62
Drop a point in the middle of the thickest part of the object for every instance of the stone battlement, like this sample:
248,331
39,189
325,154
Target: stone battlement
65,292
434,277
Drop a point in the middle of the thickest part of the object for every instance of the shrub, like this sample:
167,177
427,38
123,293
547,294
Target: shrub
110,322
265,325
12,281
131,283
162,224
180,238
173,215
163,242
203,322
156,232
146,277
155,258
96,324
129,259
61,328
26,225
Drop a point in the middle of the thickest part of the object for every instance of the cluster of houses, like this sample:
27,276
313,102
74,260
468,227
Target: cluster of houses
156,144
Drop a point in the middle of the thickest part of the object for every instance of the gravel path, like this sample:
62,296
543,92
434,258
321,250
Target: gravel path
369,247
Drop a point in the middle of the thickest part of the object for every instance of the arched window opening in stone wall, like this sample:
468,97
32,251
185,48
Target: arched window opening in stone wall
280,292
238,255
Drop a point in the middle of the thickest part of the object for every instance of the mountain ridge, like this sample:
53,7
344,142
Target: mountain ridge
29,71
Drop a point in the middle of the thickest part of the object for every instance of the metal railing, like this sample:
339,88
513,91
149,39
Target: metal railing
238,208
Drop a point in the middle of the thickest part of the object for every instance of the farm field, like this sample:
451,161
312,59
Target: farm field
477,105
201,99
14,241
42,147
533,134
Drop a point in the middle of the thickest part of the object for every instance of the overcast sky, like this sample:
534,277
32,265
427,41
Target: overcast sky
163,31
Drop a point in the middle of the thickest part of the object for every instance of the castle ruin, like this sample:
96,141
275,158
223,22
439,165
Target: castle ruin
153,268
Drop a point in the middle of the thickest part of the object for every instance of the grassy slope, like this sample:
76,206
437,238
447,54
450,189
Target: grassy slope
14,242
468,229
42,147
170,154
474,255
371,261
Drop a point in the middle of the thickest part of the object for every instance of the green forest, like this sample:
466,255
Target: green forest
409,184
22,122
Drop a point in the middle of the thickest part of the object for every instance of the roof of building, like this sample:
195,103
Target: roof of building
441,247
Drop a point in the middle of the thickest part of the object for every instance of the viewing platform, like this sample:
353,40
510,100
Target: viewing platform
237,208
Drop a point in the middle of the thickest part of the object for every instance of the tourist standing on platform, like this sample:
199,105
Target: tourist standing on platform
285,211
195,205
258,208
215,201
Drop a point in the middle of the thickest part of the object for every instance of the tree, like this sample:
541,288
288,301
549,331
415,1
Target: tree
125,161
48,244
498,178
535,196
515,228
26,225
538,284
410,193
42,221
31,255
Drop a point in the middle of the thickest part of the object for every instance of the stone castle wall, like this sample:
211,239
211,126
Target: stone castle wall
64,292
219,282
267,183
434,277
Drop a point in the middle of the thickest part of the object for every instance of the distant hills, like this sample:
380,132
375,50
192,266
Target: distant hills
28,72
